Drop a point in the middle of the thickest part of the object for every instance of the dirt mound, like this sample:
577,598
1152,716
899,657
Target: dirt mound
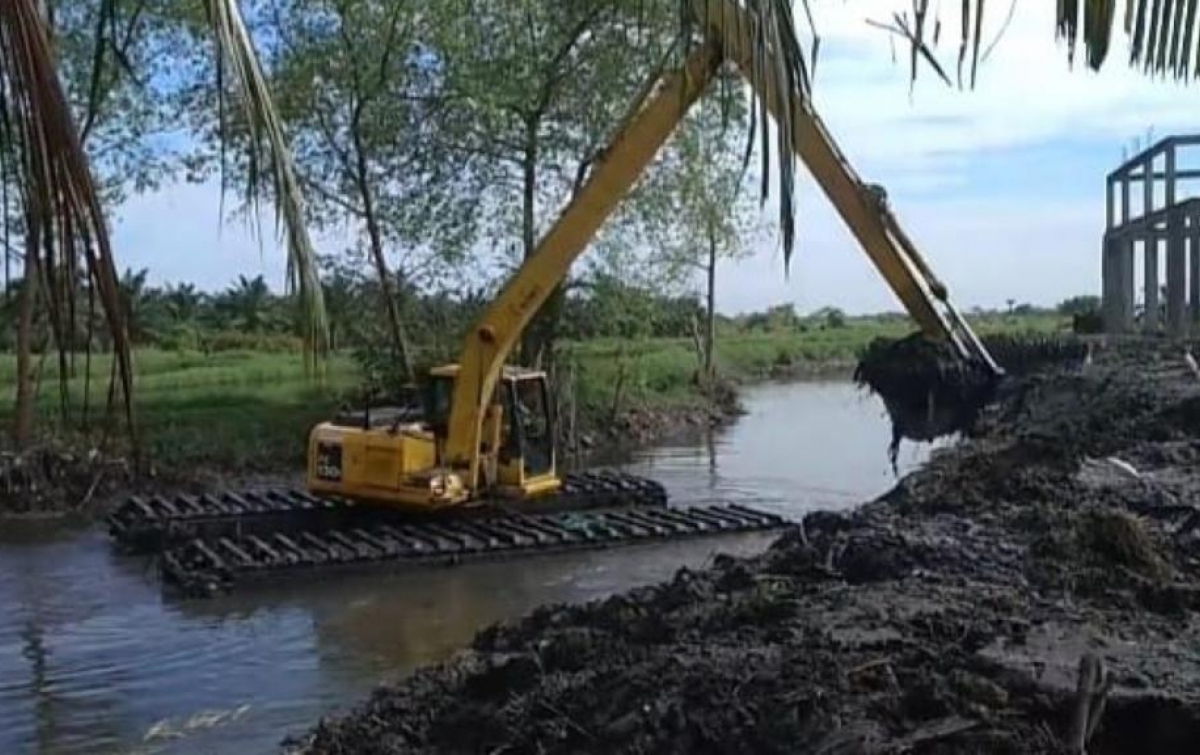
956,614
1026,353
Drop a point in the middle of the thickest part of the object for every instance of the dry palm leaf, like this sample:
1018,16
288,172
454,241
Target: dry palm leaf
62,209
774,28
236,51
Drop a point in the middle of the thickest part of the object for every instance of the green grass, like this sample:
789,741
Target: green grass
235,410
244,411
659,372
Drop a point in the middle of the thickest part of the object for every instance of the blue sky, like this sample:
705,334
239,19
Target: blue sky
1001,187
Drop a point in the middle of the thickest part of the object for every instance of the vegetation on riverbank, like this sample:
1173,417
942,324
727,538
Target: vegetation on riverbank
249,411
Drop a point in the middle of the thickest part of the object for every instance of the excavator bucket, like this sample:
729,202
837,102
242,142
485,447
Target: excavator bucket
928,388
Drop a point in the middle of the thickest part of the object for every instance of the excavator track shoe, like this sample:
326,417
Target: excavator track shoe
207,566
148,524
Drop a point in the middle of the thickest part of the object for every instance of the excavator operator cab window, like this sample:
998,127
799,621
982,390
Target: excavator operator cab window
439,392
531,424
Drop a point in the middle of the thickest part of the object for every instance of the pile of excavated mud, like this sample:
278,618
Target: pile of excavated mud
1033,589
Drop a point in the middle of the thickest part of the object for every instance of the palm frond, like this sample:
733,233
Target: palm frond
773,28
1163,35
58,195
236,51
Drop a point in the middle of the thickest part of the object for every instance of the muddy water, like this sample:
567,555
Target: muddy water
94,660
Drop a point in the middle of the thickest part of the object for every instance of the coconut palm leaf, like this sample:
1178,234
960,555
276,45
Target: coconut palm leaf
1163,34
773,28
267,139
64,219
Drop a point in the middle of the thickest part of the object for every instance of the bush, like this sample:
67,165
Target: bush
180,338
1087,323
1079,305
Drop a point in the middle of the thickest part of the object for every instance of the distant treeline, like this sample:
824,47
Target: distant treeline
248,315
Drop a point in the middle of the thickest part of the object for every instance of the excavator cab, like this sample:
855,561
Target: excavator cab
517,443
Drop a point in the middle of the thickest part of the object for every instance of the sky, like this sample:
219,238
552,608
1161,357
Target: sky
1001,187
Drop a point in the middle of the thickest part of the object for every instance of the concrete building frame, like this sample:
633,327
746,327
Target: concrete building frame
1167,223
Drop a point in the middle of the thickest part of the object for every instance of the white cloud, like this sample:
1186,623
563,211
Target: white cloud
1026,92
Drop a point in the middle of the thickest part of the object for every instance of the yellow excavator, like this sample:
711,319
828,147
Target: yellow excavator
486,440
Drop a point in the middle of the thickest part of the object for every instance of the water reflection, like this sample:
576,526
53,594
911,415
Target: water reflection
94,660
800,447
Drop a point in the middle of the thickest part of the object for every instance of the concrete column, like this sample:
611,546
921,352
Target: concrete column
1124,199
1128,294
1176,255
1150,252
1109,206
1150,281
1110,285
1126,280
1147,186
1176,276
1193,241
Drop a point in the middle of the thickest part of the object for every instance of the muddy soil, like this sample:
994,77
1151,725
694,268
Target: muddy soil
953,615
49,480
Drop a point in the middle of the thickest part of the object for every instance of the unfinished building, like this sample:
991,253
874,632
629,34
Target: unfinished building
1153,232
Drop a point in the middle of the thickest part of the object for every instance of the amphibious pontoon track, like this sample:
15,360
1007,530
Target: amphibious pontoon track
150,524
210,565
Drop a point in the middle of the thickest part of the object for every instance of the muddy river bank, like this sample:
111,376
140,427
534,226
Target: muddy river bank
93,659
1035,589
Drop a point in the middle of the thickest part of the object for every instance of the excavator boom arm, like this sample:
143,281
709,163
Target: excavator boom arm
730,30
613,175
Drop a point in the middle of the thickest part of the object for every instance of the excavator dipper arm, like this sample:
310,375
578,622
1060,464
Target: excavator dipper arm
729,31
863,207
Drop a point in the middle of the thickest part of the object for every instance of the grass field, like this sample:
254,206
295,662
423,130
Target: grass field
244,411
234,410
659,371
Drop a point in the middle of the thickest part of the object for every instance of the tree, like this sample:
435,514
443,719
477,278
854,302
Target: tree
360,92
136,301
59,205
534,91
1079,305
716,218
247,304
183,303
832,317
